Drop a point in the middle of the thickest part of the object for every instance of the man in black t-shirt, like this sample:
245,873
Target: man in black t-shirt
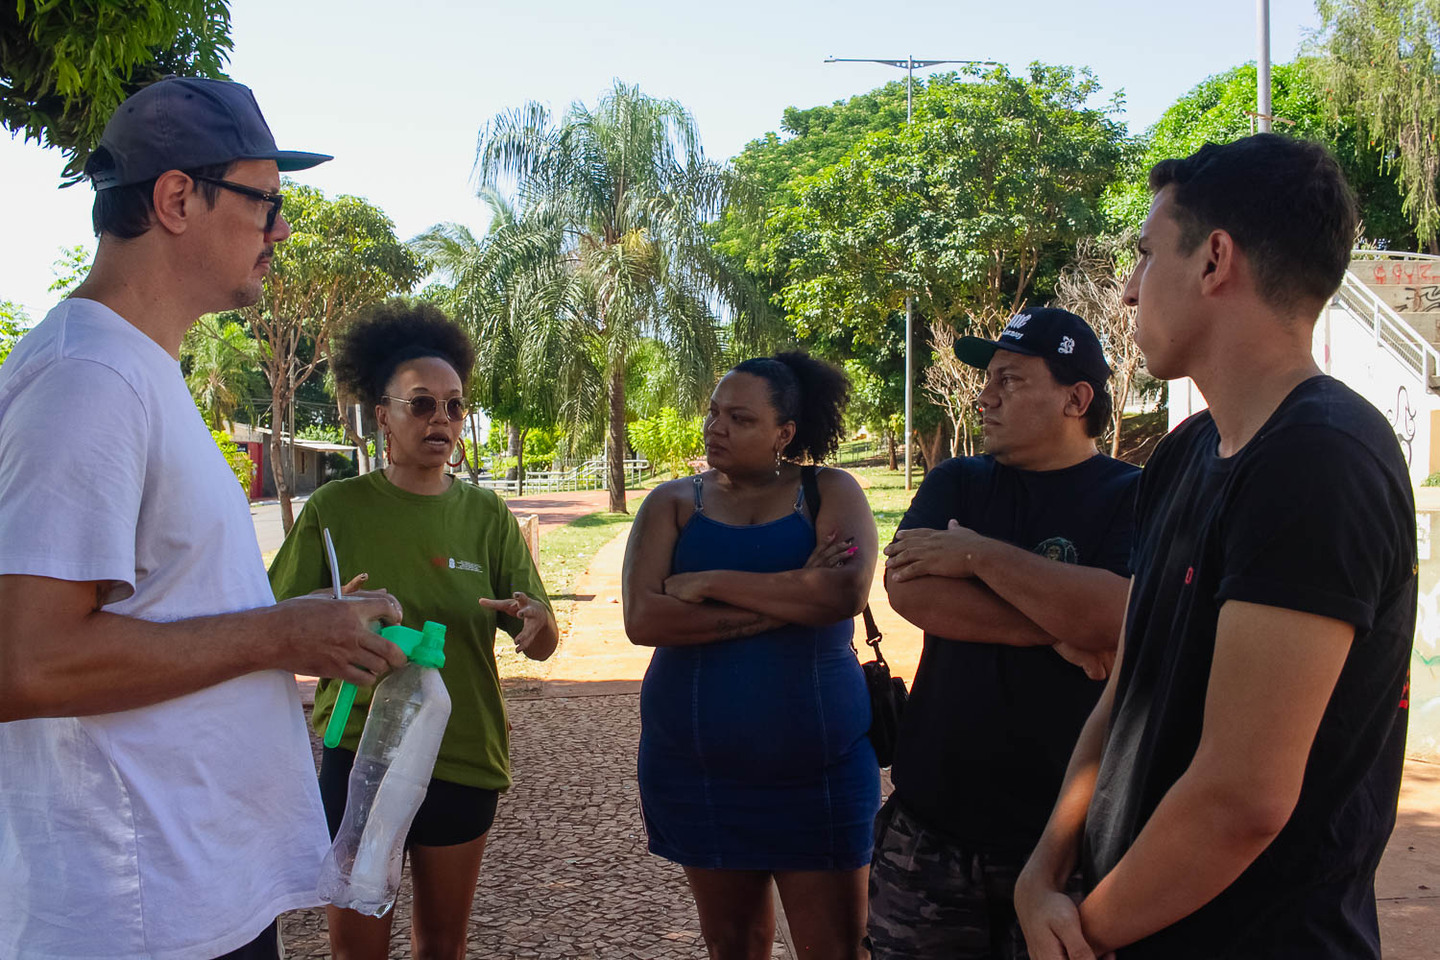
1233,791
1014,564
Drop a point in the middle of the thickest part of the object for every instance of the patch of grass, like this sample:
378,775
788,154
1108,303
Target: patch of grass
887,495
565,553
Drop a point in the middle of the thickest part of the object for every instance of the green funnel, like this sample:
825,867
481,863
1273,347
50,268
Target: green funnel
425,646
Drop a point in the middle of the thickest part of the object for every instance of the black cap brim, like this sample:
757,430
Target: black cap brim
978,352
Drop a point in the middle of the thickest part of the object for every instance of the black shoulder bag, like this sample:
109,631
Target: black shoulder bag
887,694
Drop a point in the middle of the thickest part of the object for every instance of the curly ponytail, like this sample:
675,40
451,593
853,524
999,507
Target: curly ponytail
810,392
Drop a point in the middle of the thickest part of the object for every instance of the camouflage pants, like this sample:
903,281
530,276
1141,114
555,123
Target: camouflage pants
933,900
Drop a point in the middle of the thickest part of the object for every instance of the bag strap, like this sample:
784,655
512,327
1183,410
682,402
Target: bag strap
812,492
812,502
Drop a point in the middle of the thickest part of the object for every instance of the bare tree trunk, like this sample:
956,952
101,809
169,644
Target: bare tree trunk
473,450
520,466
615,443
890,443
1122,397
279,407
513,450
470,452
934,446
362,453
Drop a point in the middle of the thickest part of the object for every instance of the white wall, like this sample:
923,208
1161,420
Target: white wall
1346,349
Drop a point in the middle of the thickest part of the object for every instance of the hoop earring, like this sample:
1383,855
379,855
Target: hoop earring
459,445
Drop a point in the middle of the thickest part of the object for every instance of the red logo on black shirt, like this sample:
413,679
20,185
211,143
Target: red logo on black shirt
1189,575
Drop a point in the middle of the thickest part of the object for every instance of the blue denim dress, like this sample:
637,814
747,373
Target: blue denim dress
753,752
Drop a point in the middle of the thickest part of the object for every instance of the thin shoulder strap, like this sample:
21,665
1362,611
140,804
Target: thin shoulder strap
699,497
809,491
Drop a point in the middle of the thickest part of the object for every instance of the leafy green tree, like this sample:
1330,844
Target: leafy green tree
963,210
70,269
1220,109
240,463
669,440
342,255
969,210
65,67
632,191
1380,63
14,321
876,399
220,358
777,166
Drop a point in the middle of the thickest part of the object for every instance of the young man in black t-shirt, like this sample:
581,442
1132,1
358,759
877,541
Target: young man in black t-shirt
1233,791
1015,565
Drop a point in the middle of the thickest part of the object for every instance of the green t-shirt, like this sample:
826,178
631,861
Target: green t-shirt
437,555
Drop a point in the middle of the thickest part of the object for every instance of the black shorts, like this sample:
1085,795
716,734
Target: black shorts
450,814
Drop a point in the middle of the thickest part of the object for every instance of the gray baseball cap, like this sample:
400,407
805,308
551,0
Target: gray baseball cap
181,123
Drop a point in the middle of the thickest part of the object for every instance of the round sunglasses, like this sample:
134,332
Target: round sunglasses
423,407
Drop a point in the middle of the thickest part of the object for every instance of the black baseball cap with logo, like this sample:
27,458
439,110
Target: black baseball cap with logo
181,123
1047,332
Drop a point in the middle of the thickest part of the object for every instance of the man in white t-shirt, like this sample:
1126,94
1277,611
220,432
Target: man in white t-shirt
157,796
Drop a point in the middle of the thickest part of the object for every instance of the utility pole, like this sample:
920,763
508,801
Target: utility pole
908,65
1262,65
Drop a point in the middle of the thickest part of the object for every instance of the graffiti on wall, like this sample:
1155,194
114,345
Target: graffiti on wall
1402,421
1407,286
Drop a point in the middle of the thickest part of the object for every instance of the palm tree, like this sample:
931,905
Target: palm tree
631,191
222,357
508,289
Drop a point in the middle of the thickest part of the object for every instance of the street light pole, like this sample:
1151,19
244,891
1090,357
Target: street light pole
908,65
1262,65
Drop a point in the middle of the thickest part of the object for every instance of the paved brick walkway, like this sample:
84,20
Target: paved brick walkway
566,871
567,874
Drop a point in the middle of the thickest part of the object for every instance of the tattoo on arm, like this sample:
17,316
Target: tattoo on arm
733,629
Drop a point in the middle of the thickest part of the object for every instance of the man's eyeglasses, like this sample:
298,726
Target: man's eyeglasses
275,200
423,407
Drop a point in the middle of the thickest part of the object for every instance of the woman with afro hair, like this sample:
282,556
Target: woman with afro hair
754,761
450,552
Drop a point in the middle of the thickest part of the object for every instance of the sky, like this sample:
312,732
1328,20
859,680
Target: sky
398,92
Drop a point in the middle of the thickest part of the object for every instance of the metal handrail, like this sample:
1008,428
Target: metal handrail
1391,332
1391,255
552,481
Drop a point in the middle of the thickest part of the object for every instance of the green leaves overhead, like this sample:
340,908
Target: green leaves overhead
1380,65
1220,109
341,255
960,210
66,66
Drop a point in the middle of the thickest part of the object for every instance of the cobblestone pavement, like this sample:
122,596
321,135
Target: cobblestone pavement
566,872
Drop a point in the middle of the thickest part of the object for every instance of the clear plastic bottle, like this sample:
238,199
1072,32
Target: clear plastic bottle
392,770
